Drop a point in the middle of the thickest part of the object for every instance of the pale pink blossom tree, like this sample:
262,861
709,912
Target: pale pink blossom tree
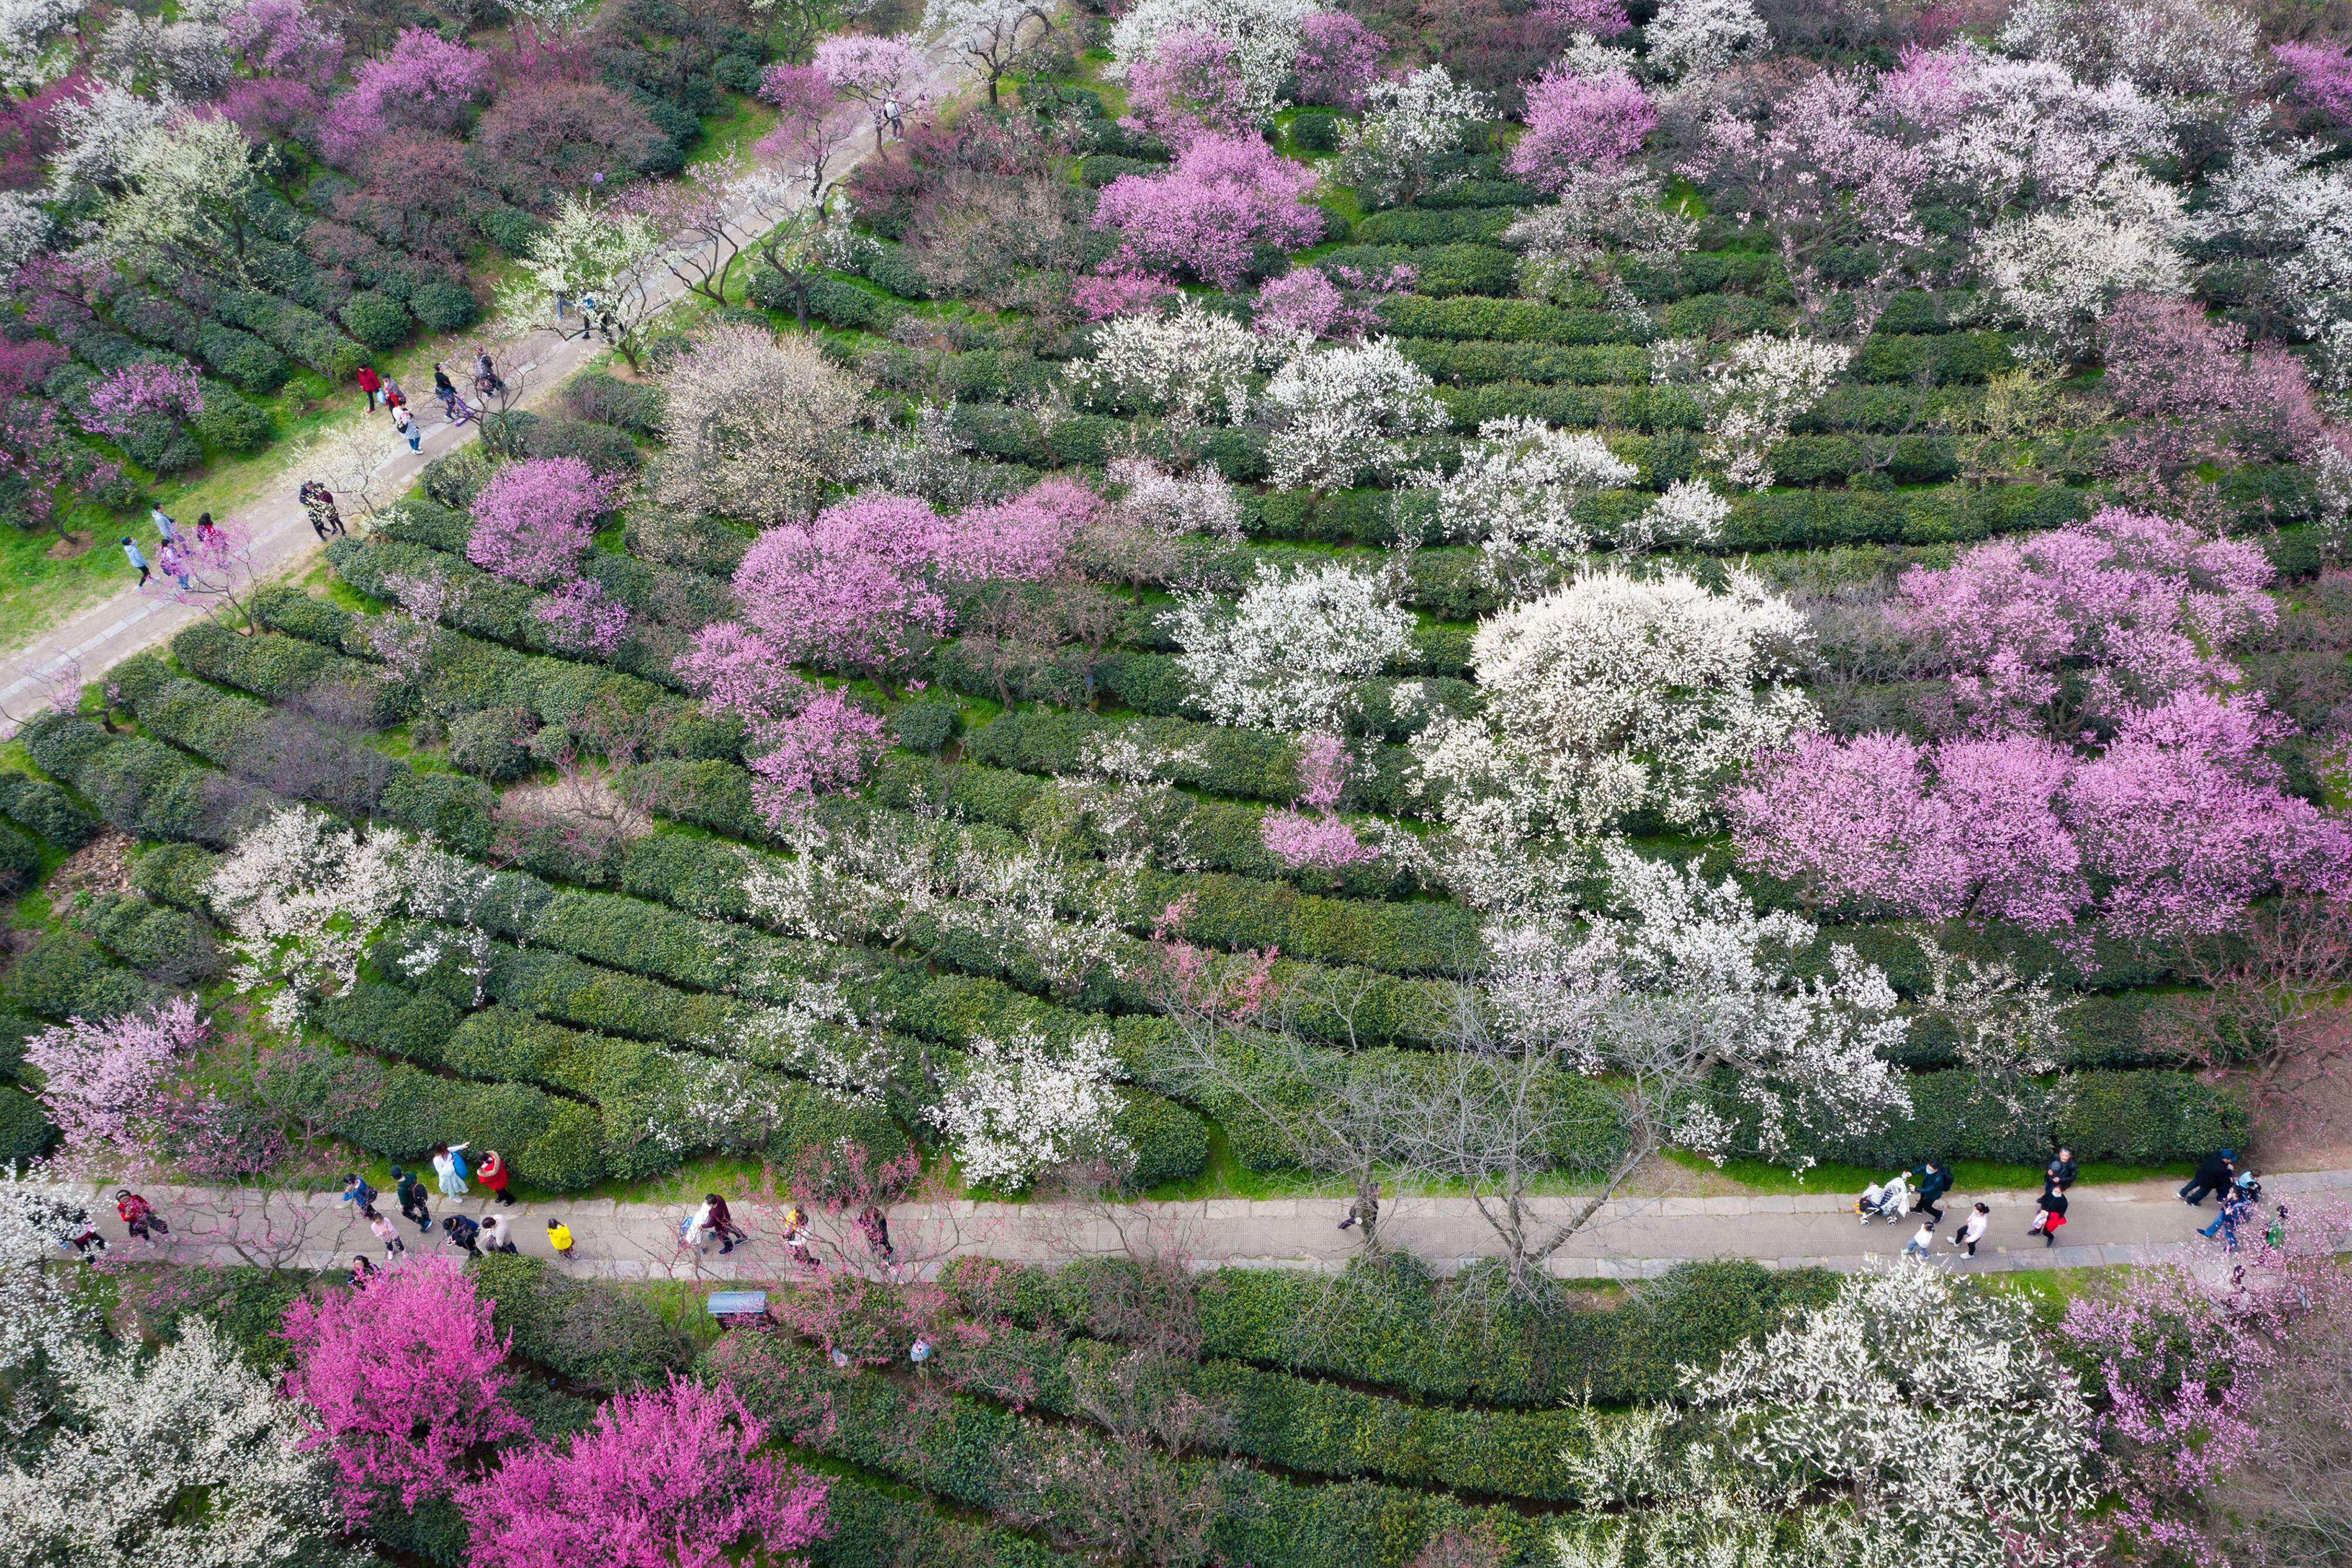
1601,18
102,1082
1024,539
536,517
1188,87
119,398
1339,57
285,40
1306,303
825,744
2196,392
1578,122
404,1378
872,71
669,1478
1322,841
423,81
808,135
580,618
1207,215
1121,293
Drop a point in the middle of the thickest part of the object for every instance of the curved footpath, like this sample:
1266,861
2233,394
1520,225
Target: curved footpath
1630,1239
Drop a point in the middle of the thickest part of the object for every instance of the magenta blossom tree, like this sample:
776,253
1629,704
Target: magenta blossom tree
1188,87
404,1378
580,618
1339,58
1601,18
1100,297
1021,540
1578,122
536,517
2322,77
1306,303
847,591
666,1478
1208,215
1322,841
119,397
2197,393
826,744
423,81
872,72
285,40
2134,606
102,1082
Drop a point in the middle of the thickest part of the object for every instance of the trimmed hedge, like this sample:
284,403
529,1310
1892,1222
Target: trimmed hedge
587,1333
64,975
141,785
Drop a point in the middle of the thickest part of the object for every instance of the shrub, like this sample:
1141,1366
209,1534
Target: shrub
511,229
443,305
64,975
46,811
1171,1144
453,479
924,727
453,808
603,399
242,360
376,319
1315,130
26,1134
161,444
490,744
588,1333
605,449
229,422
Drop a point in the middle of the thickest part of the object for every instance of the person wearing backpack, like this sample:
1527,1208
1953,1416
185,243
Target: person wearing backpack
463,1232
450,1168
412,1194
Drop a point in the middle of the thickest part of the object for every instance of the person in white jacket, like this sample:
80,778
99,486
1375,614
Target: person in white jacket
445,1168
1973,1227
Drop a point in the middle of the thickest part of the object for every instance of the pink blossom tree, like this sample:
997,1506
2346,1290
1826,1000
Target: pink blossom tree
285,40
423,81
847,590
102,1082
1024,539
1188,87
1322,841
1601,18
2322,77
404,1378
2132,606
119,398
667,1478
872,71
2197,393
580,618
1578,122
1306,303
808,135
1339,57
1098,298
1207,216
536,517
826,744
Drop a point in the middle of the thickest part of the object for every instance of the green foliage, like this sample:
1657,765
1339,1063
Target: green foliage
65,976
1315,130
229,421
925,727
1171,1144
376,319
245,1302
26,1134
585,1332
444,305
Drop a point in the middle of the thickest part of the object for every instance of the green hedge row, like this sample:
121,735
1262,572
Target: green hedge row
1463,362
299,333
45,811
236,357
141,786
1420,227
973,1452
400,1112
65,976
1440,271
1241,764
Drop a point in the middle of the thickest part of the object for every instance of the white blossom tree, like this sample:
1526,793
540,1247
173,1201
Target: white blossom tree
1391,154
1264,35
2178,51
97,131
1609,696
1187,368
2058,271
2275,208
756,426
1339,411
186,1457
41,1314
1019,1107
36,42
1694,39
1750,395
993,34
585,253
1289,654
1173,506
184,192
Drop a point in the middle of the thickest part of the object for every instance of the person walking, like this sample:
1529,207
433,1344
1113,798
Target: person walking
1920,1239
2275,1237
389,1234
371,385
139,562
2051,1214
167,527
463,1231
896,115
559,1238
495,1235
76,1234
696,1231
874,1226
168,561
492,1174
208,534
363,1272
2214,1174
407,426
392,396
445,389
1365,1211
1933,1182
450,1170
722,1223
2234,1210
410,1189
357,1193
1973,1227
138,1215
2061,1173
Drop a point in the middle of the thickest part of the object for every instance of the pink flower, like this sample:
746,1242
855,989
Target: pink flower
1224,197
1188,87
1339,57
119,398
1579,122
536,517
580,620
1121,294
103,1082
825,747
1320,842
424,81
2322,77
1601,18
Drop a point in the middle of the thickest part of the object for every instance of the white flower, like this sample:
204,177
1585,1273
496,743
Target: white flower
1289,654
1175,507
1407,122
1516,494
1188,366
1753,392
1340,410
2177,49
1692,39
1264,35
1019,1107
2058,272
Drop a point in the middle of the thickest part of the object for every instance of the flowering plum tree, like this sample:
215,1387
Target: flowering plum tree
580,618
1320,842
1265,35
1186,88
1290,653
756,427
2200,394
1577,121
302,897
1188,367
1516,494
1393,154
1305,303
102,1080
1752,393
1099,296
993,34
1224,197
666,1477
1021,1107
404,1378
607,253
808,136
1338,59
424,82
2060,272
2322,77
1338,412
119,397
873,72
535,519
1694,39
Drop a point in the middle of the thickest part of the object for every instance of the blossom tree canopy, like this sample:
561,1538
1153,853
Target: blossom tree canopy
1575,120
1024,1106
536,517
1338,59
1339,410
404,1378
1290,653
665,1476
1265,35
1224,197
101,1081
1186,88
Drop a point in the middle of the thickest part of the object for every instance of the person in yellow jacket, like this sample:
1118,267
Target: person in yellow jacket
559,1236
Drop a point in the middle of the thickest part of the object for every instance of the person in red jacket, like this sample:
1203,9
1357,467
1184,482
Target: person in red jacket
492,1174
369,383
140,1215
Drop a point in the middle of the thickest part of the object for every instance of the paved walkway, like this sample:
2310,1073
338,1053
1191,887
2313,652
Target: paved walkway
1631,1239
101,635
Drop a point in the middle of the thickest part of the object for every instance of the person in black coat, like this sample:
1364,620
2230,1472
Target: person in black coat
2218,1171
1933,1182
2061,1173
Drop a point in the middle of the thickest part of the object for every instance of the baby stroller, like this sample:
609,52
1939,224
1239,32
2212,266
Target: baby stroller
1889,1200
455,408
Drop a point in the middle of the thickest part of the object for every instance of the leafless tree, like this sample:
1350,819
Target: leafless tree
715,213
2268,1001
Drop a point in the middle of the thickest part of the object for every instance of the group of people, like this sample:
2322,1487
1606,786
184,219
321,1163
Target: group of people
172,554
450,1173
1898,1196
73,1230
384,390
2242,1196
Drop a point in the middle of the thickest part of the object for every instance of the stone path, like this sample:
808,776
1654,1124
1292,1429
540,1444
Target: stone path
1631,1239
100,636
